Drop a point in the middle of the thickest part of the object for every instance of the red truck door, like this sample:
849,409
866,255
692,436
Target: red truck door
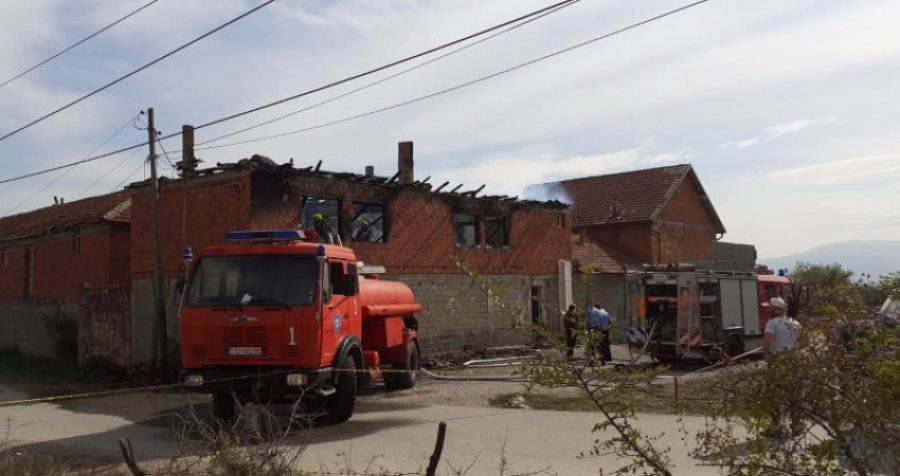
340,313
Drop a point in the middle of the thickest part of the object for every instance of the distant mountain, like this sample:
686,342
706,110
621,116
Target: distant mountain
870,257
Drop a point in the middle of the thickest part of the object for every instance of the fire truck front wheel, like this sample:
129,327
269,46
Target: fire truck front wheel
223,406
340,405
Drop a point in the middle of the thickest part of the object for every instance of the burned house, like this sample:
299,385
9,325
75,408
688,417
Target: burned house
480,265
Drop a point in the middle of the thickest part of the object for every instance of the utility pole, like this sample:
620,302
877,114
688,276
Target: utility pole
160,334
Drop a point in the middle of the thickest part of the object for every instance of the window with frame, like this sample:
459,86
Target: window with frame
496,234
465,230
369,222
343,277
329,208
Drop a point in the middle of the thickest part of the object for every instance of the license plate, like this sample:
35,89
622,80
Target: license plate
242,351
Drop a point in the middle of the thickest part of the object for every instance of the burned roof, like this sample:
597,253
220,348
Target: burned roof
632,196
113,207
260,165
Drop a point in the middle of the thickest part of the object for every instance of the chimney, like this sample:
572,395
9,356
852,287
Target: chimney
370,171
405,162
188,164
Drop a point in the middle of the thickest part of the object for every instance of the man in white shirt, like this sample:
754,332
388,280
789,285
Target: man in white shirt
782,331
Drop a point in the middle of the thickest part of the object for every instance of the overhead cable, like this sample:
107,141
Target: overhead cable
380,68
132,73
79,42
333,84
58,178
555,9
461,85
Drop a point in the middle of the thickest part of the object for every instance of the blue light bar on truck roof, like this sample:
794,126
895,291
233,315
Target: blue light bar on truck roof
265,235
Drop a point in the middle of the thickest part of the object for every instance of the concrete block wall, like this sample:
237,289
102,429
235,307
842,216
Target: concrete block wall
457,311
105,327
143,322
609,291
22,323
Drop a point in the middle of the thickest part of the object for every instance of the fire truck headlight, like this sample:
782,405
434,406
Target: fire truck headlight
193,380
296,380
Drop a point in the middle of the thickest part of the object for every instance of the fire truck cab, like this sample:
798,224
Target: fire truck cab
272,315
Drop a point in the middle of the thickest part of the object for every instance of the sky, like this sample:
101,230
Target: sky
788,110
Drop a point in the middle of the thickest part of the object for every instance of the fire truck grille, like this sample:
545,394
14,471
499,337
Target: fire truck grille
292,351
198,351
245,338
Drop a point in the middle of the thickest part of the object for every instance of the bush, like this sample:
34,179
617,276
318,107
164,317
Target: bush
101,369
63,332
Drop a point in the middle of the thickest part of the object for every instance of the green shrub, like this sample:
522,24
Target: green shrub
63,332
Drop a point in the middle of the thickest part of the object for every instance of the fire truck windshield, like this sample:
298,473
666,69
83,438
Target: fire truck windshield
248,280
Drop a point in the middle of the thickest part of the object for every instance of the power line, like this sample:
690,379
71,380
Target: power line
122,78
77,43
333,84
60,177
380,68
107,174
392,76
461,85
127,178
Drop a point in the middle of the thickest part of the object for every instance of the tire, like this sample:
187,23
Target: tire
390,379
733,346
408,371
223,406
340,405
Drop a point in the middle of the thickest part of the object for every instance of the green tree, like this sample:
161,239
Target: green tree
821,276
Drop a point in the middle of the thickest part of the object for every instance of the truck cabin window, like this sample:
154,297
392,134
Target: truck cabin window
254,280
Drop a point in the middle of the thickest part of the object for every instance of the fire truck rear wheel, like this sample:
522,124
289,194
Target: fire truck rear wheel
405,377
340,405
223,406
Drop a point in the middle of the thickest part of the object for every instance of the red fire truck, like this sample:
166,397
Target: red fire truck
683,313
274,315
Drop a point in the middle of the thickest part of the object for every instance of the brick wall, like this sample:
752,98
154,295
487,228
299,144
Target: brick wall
12,272
66,262
420,229
634,239
196,213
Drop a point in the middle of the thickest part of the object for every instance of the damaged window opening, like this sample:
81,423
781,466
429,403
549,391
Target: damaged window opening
495,232
465,229
2,256
329,208
369,222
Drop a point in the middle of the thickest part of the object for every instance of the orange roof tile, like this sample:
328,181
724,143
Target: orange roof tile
114,207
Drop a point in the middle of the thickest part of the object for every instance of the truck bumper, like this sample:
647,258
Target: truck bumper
258,380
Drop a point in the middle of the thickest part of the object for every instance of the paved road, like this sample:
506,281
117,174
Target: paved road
394,435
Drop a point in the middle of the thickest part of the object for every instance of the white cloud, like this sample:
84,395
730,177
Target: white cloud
870,169
780,130
509,173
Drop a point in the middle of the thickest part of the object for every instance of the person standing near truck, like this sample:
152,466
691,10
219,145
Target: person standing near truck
598,322
782,331
781,336
570,323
